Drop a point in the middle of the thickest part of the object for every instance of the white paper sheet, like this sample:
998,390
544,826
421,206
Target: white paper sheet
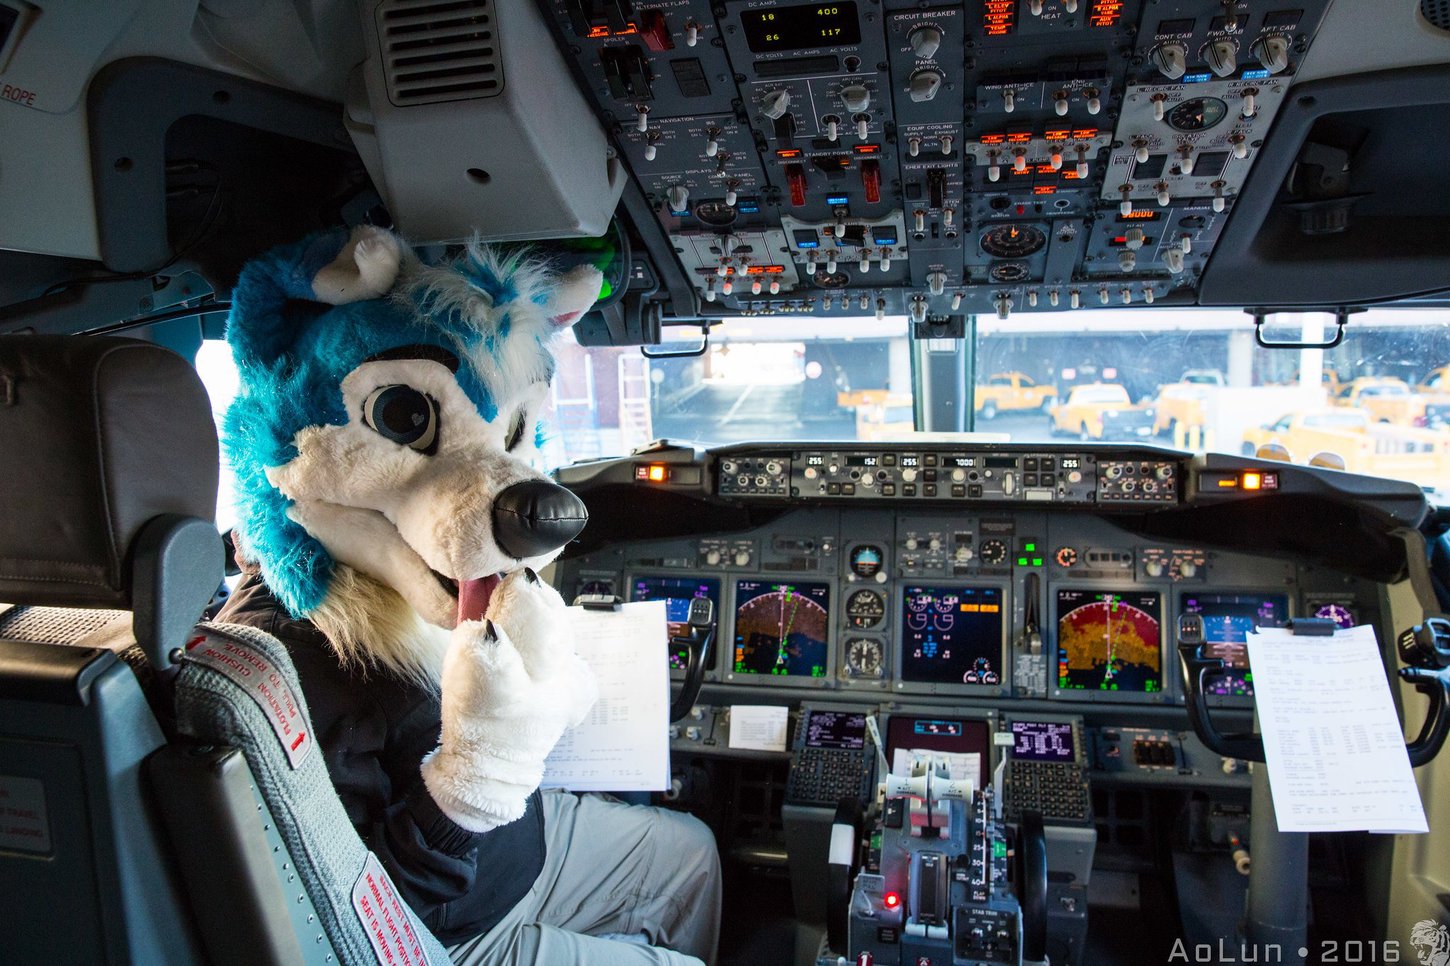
758,727
624,744
961,765
1335,751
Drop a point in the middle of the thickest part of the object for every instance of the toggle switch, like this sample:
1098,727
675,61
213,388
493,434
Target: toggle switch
1158,100
1094,100
956,301
1163,196
1060,103
1009,100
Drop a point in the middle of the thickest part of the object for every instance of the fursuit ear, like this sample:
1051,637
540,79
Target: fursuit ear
331,268
574,293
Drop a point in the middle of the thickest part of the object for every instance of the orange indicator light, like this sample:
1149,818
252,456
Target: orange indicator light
1253,481
656,473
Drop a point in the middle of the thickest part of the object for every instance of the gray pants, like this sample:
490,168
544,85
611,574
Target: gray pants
620,870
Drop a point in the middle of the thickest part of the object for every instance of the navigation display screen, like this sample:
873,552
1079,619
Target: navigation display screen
781,628
801,27
677,592
1043,741
1227,621
1109,641
836,729
951,635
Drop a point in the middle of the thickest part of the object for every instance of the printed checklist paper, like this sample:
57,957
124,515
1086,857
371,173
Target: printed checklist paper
1335,750
624,744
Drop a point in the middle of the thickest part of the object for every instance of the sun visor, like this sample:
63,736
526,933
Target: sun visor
469,121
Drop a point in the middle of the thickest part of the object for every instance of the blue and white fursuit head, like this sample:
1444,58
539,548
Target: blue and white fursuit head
382,443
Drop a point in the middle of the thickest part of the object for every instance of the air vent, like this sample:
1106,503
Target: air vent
439,50
1436,13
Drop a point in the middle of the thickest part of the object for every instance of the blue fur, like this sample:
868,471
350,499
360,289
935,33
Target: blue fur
292,355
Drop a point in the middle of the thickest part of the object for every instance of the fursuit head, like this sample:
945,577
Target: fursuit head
383,440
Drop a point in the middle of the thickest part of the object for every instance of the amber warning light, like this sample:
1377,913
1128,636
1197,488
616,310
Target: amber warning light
651,472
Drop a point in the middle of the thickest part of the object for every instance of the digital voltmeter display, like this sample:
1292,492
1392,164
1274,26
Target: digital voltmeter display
801,27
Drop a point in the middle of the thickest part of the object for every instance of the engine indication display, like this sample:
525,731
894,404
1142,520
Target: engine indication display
802,27
676,592
1109,641
781,628
1227,621
951,635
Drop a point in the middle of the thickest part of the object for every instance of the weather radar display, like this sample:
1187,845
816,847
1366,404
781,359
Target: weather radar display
781,628
1108,641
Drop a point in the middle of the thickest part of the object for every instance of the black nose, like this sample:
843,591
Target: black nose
536,516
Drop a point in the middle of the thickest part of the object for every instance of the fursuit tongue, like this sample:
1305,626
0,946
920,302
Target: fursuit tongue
473,597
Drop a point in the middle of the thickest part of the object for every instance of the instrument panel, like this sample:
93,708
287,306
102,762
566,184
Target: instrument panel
932,159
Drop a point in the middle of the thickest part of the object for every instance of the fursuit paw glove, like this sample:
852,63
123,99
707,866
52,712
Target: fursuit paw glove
511,685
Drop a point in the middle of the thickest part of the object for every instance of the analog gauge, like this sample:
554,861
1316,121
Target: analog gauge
865,609
866,561
597,588
1013,241
1009,272
716,214
864,657
1338,613
1066,557
993,551
1197,114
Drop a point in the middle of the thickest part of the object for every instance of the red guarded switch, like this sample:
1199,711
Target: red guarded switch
871,180
795,177
655,32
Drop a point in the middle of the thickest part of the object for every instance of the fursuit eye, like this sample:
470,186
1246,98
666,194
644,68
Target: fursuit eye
516,430
403,415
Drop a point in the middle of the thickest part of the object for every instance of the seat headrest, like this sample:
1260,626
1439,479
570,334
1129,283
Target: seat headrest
99,436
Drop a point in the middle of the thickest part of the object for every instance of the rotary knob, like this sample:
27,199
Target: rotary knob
742,558
936,282
713,558
1154,568
678,197
775,104
924,86
1173,260
1133,238
1221,56
856,98
1171,59
1003,305
1271,50
924,41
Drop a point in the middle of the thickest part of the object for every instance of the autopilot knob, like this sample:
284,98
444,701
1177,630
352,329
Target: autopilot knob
1171,59
925,85
924,41
1272,51
1221,56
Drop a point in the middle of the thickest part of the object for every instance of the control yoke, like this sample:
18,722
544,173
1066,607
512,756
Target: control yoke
1425,648
699,631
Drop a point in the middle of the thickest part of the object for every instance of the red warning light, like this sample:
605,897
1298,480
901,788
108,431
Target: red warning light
892,900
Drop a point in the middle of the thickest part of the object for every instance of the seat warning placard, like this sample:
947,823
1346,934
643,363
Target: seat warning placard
24,825
385,918
263,682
